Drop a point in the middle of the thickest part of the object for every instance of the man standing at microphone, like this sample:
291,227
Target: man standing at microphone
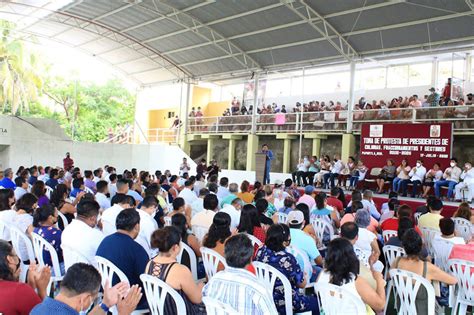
268,163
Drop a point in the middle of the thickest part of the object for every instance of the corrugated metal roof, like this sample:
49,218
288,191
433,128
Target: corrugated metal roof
153,41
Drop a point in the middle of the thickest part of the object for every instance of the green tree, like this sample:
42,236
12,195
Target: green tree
19,79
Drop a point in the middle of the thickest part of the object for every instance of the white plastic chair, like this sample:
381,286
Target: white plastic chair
200,232
463,270
192,259
361,256
40,246
268,275
20,241
441,250
335,300
63,218
428,236
156,292
417,216
88,190
301,256
387,234
211,260
71,257
167,221
255,241
216,307
3,229
49,190
282,217
391,253
320,226
107,271
406,286
463,228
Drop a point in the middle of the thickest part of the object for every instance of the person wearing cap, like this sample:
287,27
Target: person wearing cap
304,242
308,198
433,98
68,162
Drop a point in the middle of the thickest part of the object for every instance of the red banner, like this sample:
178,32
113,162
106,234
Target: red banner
430,142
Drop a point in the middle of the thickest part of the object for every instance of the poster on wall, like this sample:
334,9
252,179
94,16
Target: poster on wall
249,88
430,142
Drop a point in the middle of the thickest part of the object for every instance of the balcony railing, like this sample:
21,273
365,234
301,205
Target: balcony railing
333,121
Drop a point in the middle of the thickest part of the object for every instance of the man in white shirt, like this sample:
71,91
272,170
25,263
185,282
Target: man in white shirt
334,173
300,173
119,202
184,167
187,193
199,184
81,234
21,187
205,217
417,176
112,185
447,227
233,210
97,175
467,177
147,224
223,191
369,205
198,205
450,178
101,195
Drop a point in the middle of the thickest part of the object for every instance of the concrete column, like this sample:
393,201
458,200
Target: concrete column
255,105
350,106
434,72
185,144
316,150
252,147
286,155
230,162
210,148
188,104
348,146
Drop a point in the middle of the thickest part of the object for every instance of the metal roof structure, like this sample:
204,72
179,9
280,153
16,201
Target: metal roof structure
156,41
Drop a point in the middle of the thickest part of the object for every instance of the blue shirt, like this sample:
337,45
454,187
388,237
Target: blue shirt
75,192
32,180
129,256
135,195
50,306
269,159
305,243
7,183
52,183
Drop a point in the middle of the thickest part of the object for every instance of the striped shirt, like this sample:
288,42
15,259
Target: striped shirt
241,290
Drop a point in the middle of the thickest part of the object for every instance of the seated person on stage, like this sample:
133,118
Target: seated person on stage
386,175
450,178
432,176
467,177
417,175
402,174
299,176
335,170
313,169
357,174
325,167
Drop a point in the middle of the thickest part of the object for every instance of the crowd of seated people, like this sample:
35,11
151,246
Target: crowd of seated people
140,223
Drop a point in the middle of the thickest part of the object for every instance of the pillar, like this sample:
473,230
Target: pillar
210,147
185,144
255,105
351,103
434,72
232,141
348,146
252,148
286,155
316,149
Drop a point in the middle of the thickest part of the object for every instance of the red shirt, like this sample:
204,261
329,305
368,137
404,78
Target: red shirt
335,203
68,163
392,224
17,298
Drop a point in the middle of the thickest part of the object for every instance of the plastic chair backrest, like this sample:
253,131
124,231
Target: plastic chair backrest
40,245
428,236
268,275
192,259
463,270
88,190
63,218
216,307
20,239
301,256
320,226
71,257
441,250
387,234
211,260
282,217
333,299
107,271
391,253
200,232
156,292
49,190
463,228
255,241
407,284
167,221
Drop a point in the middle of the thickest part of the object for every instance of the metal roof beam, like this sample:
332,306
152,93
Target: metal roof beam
307,13
470,4
291,24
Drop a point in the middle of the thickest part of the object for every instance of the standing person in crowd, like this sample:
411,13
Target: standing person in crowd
402,174
235,285
467,177
68,162
433,98
213,169
274,254
201,168
17,297
164,267
417,176
184,167
432,176
450,178
386,175
268,163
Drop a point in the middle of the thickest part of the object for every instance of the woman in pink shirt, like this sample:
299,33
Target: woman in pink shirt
350,216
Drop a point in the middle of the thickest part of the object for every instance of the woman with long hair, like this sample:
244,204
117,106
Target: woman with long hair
59,198
7,201
250,222
39,190
464,211
386,175
179,222
219,232
341,268
164,267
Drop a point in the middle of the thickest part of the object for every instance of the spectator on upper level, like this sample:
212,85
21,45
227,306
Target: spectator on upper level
433,98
